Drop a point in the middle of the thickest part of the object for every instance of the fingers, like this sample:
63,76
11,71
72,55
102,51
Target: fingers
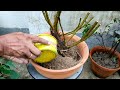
24,60
30,51
23,47
33,49
24,51
18,60
14,49
36,39
30,55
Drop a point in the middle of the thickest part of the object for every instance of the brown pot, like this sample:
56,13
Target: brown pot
99,70
65,73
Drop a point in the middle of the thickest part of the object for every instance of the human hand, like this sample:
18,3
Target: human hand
20,45
17,59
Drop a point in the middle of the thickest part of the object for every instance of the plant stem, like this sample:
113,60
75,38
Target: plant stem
61,29
113,45
45,14
56,17
88,21
92,32
80,25
88,34
102,40
84,20
54,30
114,50
74,31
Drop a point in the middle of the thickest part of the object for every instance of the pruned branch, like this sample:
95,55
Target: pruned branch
61,29
80,24
88,34
56,18
46,16
74,31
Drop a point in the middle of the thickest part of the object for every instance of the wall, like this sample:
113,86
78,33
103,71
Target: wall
35,22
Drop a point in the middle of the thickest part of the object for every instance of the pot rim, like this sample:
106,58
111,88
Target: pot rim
107,48
82,61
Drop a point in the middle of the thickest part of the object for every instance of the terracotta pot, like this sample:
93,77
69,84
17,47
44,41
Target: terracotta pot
83,50
99,70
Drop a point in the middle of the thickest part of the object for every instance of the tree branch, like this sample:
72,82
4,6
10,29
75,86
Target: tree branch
56,17
45,14
88,34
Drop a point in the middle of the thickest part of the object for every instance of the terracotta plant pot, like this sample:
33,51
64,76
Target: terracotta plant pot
65,73
99,70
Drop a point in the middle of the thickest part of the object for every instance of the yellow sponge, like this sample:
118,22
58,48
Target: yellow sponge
48,52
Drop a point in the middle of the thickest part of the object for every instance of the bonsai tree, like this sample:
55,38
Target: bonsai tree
106,55
64,45
72,50
83,24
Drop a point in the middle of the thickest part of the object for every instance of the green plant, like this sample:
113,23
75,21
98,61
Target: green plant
7,69
110,29
84,24
105,57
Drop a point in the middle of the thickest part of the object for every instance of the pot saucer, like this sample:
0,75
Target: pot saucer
37,75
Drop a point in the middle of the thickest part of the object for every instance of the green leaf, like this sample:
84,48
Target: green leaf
1,67
10,64
14,74
10,73
5,69
86,28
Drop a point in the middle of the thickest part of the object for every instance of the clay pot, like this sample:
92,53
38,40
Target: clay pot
83,50
99,70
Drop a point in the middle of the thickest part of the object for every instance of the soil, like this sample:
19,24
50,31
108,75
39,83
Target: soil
103,59
71,59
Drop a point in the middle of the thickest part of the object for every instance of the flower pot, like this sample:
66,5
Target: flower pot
83,50
99,70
